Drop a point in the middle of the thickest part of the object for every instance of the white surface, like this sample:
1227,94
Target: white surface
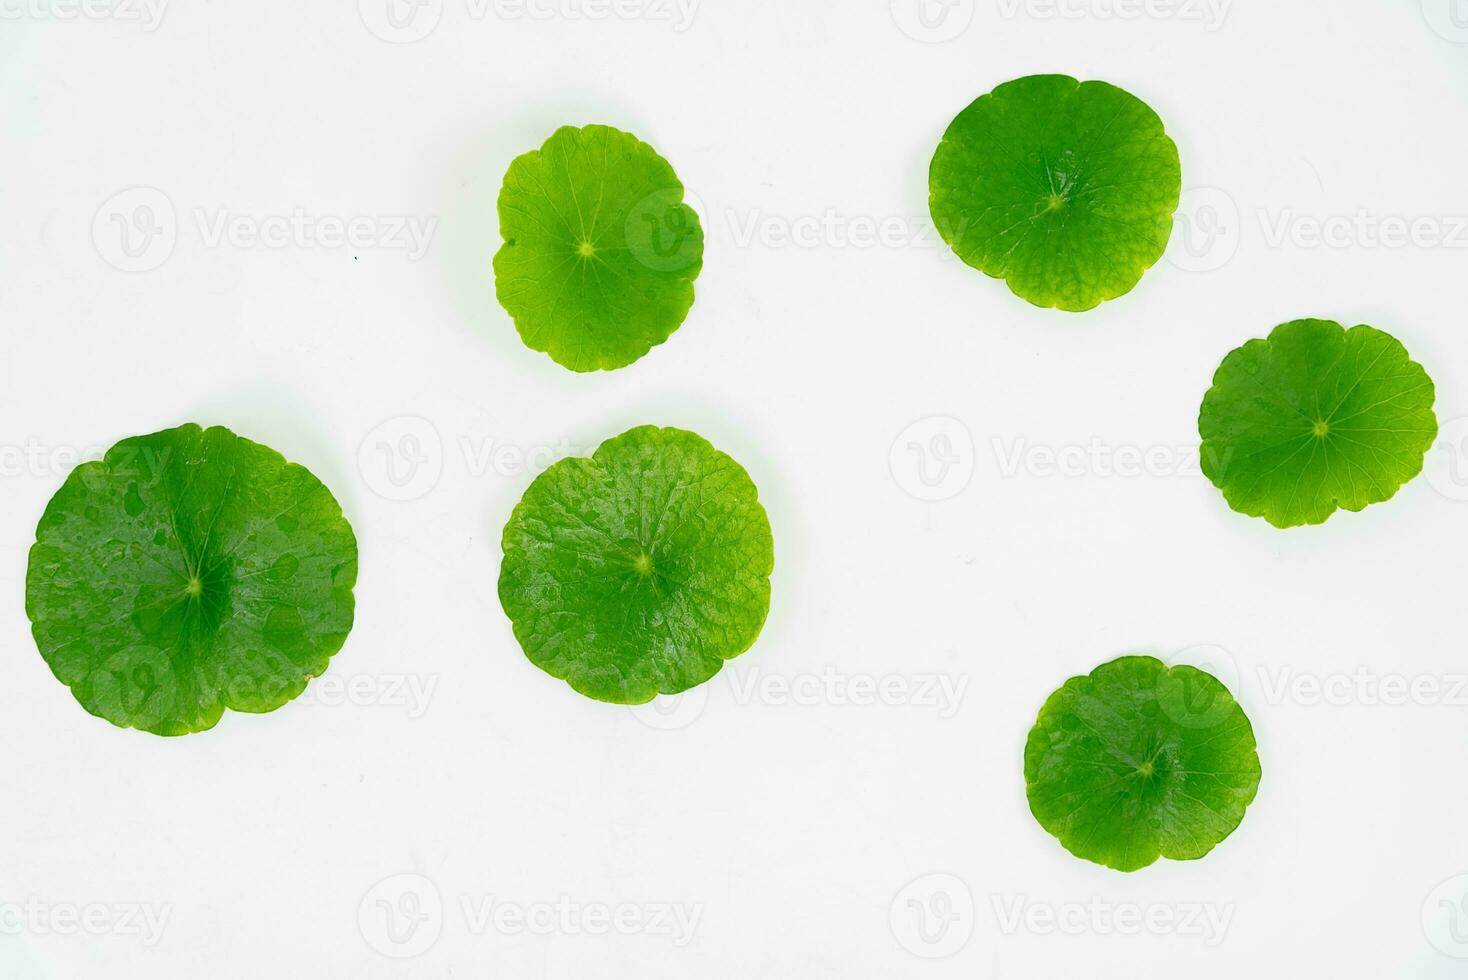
797,829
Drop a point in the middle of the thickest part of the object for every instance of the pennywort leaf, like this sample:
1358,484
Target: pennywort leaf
1137,761
186,572
599,252
1313,418
640,570
1063,189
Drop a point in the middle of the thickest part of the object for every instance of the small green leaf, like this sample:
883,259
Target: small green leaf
1064,189
1137,761
1314,418
600,251
640,570
186,572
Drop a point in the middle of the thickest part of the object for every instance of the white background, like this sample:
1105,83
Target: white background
810,834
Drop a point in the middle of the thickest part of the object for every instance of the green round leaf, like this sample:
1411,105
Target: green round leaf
640,570
1314,418
187,572
600,251
1064,189
1137,761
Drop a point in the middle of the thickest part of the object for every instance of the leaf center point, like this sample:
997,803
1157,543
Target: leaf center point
586,250
1321,429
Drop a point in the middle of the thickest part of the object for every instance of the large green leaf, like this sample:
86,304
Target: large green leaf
600,251
1064,189
1136,761
1314,418
640,570
187,572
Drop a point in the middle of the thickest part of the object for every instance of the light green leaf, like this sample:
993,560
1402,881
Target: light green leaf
1064,189
1314,418
1137,761
640,570
600,252
187,572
